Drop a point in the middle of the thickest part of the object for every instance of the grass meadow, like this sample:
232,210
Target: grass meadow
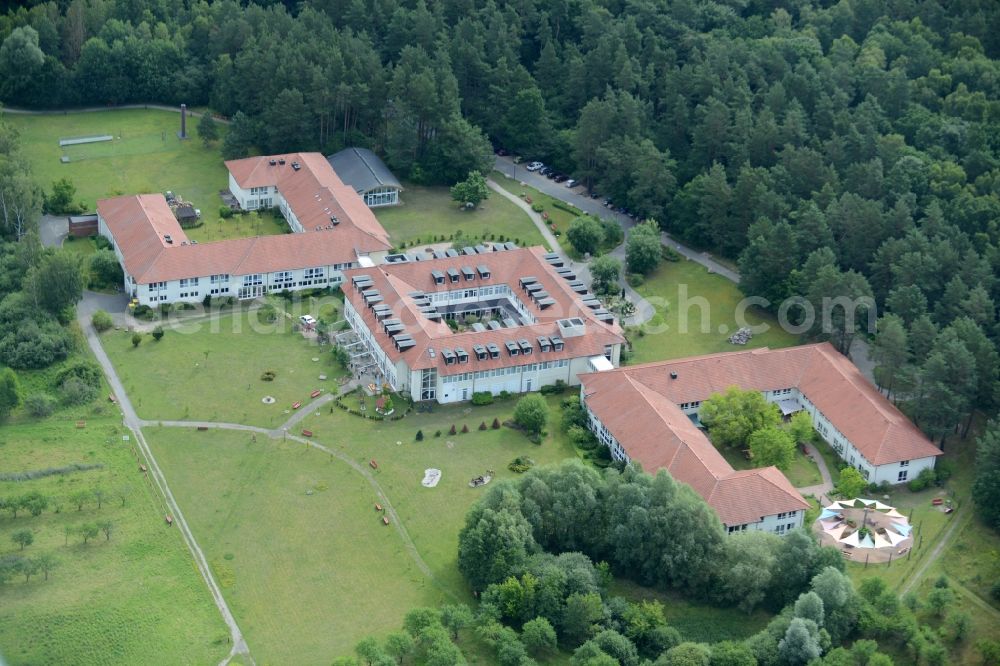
145,156
428,212
211,370
802,472
696,312
136,598
292,532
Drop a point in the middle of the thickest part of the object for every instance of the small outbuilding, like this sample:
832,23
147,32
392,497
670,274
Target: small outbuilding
186,214
368,175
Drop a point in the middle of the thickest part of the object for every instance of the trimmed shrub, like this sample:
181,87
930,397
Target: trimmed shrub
437,433
267,376
465,428
482,426
420,436
158,333
225,212
537,207
482,398
635,280
101,321
670,254
496,424
453,430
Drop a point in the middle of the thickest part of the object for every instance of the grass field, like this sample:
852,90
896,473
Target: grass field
308,575
697,622
428,212
695,314
802,472
135,598
559,219
214,372
266,223
146,156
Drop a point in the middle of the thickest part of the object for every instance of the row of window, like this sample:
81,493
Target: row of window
501,372
784,391
780,529
684,405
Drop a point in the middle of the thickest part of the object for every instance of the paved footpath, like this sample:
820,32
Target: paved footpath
824,488
577,197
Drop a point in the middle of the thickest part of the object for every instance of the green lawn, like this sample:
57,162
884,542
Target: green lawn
697,622
428,213
211,370
559,219
146,156
802,472
266,223
136,599
308,575
695,314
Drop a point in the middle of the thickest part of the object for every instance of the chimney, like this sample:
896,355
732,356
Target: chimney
183,133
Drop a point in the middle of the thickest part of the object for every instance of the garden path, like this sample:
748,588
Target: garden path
821,490
131,421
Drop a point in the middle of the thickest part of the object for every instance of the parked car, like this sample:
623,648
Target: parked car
544,171
572,183
501,152
307,320
608,203
561,178
551,175
535,166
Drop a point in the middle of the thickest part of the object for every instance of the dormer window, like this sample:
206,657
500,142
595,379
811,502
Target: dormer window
454,275
494,351
462,356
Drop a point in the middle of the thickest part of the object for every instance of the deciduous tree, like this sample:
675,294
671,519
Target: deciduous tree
731,417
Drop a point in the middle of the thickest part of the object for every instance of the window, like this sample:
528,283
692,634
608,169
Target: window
904,463
902,476
312,273
254,279
780,529
221,277
189,282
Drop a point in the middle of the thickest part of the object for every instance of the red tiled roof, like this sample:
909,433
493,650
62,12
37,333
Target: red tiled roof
880,432
314,191
140,222
395,283
657,434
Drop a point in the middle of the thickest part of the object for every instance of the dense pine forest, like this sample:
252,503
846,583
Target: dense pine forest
830,148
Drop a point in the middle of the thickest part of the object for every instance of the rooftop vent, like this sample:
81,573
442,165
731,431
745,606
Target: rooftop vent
296,166
673,375
571,328
168,238
281,161
334,221
272,161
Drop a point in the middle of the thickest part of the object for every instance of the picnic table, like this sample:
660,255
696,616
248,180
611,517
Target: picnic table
378,507
373,464
385,520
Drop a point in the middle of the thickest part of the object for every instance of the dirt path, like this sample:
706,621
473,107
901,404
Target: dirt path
364,471
94,109
133,423
939,548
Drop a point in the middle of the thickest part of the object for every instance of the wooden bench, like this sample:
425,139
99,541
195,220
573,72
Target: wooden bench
142,468
202,428
170,520
937,501
385,520
378,507
111,397
315,394
373,464
307,433
296,405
